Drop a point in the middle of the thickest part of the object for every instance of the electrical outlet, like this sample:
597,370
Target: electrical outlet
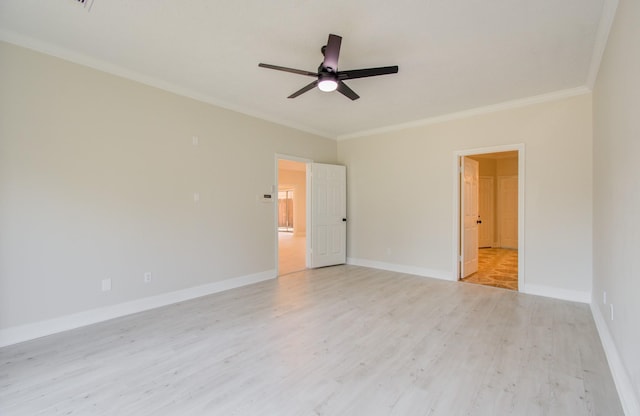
106,285
196,197
195,140
148,277
611,311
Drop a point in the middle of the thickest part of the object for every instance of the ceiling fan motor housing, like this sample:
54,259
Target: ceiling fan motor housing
327,81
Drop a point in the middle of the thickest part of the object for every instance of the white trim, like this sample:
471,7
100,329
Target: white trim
109,68
16,334
400,268
556,293
546,291
602,36
309,231
628,397
520,148
507,105
293,158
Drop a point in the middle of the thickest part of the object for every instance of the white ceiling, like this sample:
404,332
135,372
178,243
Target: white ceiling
454,55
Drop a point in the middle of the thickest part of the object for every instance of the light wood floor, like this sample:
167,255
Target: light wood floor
291,253
342,340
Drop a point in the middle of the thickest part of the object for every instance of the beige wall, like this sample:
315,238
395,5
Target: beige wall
415,166
617,188
296,180
97,176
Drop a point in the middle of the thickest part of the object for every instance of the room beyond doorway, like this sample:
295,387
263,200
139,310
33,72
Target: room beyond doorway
490,220
292,216
291,253
497,267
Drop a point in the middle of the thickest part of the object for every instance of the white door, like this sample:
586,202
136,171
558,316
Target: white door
328,215
508,211
469,210
485,211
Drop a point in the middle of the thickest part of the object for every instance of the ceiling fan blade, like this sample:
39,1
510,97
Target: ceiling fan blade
304,89
285,69
332,53
368,72
346,91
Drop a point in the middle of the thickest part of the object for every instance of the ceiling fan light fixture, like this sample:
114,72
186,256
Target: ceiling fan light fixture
328,78
327,85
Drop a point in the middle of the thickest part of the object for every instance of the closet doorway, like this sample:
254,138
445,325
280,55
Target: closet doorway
292,216
489,220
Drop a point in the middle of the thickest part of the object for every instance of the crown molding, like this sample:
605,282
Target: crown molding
507,105
602,36
107,67
122,72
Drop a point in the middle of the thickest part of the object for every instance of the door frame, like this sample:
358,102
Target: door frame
457,249
307,162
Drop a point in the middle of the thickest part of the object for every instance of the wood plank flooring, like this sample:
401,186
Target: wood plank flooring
342,340
497,267
291,253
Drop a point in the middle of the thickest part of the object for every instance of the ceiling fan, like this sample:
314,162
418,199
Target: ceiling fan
328,78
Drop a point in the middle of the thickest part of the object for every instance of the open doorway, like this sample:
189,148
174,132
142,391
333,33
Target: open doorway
490,220
292,216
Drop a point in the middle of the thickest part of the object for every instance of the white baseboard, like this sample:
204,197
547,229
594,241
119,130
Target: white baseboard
400,268
16,334
628,396
556,293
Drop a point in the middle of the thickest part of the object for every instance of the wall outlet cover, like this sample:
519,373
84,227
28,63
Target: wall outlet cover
611,311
